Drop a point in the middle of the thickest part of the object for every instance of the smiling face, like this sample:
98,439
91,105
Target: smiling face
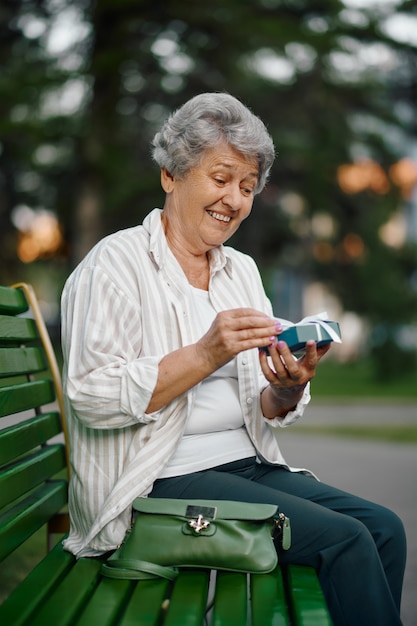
204,209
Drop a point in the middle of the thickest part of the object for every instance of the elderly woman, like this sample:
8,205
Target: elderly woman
168,394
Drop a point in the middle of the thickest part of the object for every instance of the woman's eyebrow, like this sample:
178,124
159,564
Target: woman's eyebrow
231,166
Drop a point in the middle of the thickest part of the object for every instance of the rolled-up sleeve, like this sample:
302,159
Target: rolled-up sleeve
107,382
292,416
138,383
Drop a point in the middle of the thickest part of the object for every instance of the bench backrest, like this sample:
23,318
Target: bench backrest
33,455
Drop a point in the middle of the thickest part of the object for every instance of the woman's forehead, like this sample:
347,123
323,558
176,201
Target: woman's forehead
225,156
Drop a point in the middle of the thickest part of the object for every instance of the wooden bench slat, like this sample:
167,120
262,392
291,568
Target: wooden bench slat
107,603
23,437
67,601
17,329
26,517
269,605
191,591
32,591
145,604
18,361
24,396
21,477
12,301
230,585
307,597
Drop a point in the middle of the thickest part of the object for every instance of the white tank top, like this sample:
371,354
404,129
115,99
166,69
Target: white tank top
215,431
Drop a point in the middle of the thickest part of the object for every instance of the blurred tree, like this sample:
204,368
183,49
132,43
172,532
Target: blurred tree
86,84
36,137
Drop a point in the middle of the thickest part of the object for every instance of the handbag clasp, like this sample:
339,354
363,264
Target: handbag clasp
199,524
201,516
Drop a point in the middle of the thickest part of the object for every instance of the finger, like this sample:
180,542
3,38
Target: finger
263,360
313,354
244,313
258,321
286,367
270,374
293,366
310,359
299,370
255,331
252,317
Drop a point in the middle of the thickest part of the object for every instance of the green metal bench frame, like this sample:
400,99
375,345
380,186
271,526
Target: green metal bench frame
34,471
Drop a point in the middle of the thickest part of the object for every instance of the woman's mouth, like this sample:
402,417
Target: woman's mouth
218,216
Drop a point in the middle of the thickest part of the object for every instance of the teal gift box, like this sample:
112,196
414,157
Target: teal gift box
297,336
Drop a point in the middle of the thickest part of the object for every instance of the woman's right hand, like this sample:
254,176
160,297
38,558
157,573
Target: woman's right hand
234,331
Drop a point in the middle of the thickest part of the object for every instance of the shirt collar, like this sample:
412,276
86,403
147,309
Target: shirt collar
219,258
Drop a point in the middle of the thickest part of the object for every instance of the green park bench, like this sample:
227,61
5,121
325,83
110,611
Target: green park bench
61,590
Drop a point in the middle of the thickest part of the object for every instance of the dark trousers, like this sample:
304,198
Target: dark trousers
358,548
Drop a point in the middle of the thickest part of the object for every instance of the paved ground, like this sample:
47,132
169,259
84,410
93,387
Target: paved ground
382,472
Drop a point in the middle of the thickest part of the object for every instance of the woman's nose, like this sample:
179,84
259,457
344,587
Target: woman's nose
232,197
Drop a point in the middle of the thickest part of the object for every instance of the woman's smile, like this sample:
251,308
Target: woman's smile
219,216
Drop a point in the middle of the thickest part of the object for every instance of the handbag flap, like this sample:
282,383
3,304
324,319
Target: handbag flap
224,509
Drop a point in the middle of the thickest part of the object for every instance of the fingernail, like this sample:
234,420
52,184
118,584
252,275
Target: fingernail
281,344
278,327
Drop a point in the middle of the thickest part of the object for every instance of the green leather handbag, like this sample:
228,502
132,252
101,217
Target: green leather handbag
168,534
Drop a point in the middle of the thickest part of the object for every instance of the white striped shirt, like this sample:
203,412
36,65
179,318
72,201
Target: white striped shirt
123,308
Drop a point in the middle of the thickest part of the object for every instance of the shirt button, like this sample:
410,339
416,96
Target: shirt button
249,401
244,361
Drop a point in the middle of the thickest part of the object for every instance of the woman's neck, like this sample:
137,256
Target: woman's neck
196,268
195,265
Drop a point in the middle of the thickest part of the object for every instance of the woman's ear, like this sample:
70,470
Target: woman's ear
167,180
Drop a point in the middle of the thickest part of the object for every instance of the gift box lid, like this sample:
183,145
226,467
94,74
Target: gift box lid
296,336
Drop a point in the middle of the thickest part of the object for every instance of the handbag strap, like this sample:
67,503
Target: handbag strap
137,570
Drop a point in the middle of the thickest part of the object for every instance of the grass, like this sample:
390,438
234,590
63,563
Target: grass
390,434
357,381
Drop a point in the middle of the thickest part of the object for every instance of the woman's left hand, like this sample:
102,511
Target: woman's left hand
287,376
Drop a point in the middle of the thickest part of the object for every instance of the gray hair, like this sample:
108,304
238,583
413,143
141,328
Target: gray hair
205,121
